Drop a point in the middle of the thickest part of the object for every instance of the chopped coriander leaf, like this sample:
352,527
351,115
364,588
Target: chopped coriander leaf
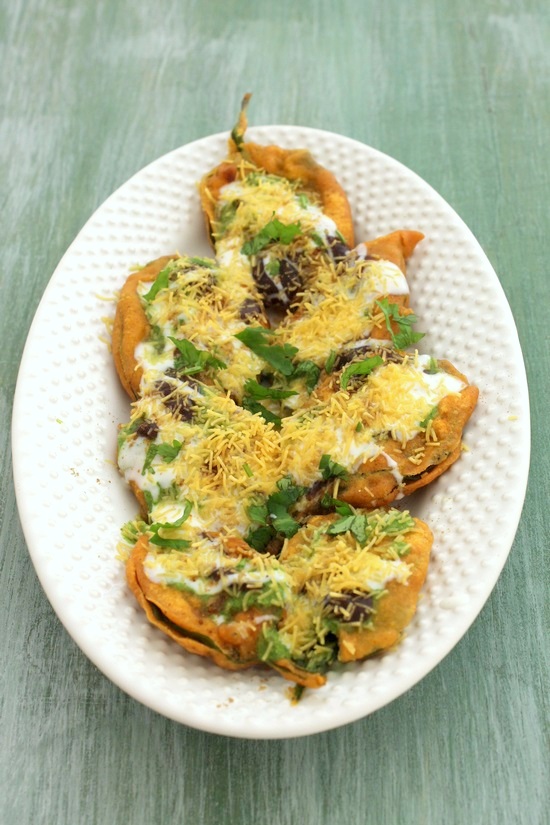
161,282
260,537
360,368
248,471
132,530
433,366
318,240
340,507
402,548
278,504
273,267
166,451
133,425
256,390
330,468
356,524
173,544
272,231
273,516
405,337
183,518
430,417
303,200
283,522
162,541
156,338
225,217
309,371
397,522
256,408
340,237
270,647
192,360
205,262
258,513
280,357
329,364
293,491
359,427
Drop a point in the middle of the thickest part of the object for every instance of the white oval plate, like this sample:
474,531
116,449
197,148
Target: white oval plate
68,404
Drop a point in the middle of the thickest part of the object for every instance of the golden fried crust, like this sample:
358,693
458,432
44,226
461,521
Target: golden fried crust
292,164
180,615
396,247
375,485
288,670
394,610
232,645
131,326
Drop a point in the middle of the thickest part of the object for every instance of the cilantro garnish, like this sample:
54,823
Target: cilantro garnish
162,541
330,468
340,507
432,366
329,364
273,267
303,200
356,524
360,368
397,522
255,390
270,646
276,231
273,515
204,262
309,371
260,537
362,525
256,408
225,217
132,530
278,503
166,451
317,239
161,282
350,520
430,417
279,357
156,338
192,360
405,337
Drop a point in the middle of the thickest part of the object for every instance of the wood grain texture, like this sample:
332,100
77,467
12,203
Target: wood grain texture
91,92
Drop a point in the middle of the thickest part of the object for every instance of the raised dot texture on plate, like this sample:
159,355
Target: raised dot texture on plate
454,292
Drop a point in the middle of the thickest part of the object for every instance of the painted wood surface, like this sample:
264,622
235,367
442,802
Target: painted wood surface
460,92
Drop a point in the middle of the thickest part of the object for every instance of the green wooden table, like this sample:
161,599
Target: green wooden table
91,92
